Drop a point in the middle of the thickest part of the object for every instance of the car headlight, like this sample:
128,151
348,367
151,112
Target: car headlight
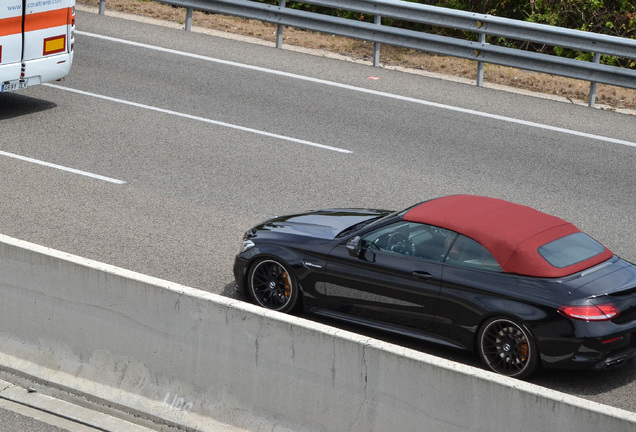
246,245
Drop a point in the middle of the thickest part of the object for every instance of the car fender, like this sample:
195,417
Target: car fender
288,255
522,313
303,265
498,306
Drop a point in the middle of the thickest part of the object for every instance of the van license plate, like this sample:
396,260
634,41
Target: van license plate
14,85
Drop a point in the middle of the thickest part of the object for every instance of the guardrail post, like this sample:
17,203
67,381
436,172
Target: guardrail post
102,7
188,22
480,65
591,102
279,29
377,19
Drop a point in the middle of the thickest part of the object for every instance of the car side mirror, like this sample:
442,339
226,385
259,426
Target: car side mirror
357,249
353,246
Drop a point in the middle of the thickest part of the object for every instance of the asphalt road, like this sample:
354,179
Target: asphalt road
197,138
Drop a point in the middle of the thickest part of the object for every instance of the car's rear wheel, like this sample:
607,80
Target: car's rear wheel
508,348
271,285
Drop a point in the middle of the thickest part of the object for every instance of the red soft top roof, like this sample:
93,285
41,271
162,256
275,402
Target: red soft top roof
512,233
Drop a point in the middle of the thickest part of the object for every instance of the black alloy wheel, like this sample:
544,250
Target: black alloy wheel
507,348
272,286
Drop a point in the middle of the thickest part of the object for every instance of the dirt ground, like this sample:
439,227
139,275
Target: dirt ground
608,97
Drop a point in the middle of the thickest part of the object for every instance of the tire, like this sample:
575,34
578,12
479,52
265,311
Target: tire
507,348
272,286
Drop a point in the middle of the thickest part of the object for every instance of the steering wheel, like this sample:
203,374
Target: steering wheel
399,243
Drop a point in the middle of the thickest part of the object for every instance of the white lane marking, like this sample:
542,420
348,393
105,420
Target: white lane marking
201,119
363,90
60,167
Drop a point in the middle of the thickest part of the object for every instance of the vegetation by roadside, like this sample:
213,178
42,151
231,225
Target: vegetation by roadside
609,97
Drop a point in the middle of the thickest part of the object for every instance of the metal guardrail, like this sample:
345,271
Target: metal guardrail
478,51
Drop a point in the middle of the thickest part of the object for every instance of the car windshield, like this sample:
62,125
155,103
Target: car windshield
363,224
570,250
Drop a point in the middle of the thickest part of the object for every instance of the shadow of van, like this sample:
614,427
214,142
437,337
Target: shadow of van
14,105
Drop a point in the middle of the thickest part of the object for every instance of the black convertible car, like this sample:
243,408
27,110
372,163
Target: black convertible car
520,287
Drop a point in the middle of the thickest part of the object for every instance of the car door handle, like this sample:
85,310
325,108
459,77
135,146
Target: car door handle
422,275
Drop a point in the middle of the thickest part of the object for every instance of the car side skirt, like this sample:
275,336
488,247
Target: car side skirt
386,327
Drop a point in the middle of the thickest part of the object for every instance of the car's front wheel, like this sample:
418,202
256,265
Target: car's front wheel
508,348
271,285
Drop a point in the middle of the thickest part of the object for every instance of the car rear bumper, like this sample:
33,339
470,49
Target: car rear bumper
616,360
590,353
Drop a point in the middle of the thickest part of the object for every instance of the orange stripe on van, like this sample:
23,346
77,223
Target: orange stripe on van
42,20
37,21
9,26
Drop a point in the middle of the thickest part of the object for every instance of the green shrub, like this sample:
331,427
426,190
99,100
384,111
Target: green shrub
610,17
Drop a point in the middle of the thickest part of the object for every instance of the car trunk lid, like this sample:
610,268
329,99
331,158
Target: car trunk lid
614,283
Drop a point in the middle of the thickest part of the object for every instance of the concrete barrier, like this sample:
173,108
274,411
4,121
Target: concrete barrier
185,357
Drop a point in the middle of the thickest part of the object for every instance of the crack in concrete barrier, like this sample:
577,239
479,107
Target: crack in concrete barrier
365,376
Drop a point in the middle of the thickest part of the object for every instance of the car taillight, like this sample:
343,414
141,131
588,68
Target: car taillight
602,312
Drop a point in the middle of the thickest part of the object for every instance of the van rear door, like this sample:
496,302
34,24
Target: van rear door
11,21
47,39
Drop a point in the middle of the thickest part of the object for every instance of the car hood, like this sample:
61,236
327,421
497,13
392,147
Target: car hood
320,224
